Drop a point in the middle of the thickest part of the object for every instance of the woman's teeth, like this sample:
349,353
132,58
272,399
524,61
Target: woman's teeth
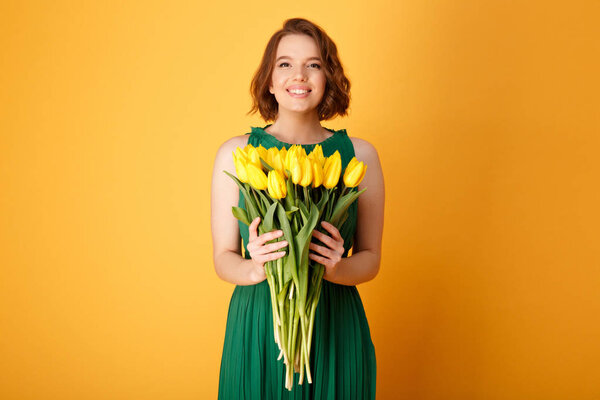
297,91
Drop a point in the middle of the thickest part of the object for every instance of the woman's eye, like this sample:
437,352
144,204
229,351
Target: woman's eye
283,64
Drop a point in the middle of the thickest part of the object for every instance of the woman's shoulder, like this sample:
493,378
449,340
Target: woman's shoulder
236,141
363,149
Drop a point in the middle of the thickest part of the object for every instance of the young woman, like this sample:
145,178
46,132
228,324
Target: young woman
299,83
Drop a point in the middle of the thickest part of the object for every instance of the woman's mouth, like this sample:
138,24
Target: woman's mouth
298,92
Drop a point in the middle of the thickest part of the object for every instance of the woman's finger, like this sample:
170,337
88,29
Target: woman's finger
263,258
252,229
324,238
332,229
268,248
322,250
332,243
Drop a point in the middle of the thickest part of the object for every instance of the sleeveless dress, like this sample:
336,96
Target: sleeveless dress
342,359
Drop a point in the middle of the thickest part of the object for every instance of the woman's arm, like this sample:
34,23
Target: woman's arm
364,263
228,261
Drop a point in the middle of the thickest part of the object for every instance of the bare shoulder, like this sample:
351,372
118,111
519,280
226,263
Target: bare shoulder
230,144
363,149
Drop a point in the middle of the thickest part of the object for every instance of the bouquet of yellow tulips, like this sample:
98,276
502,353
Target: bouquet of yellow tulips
292,191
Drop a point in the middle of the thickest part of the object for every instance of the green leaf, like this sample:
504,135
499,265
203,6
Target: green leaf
291,212
268,222
342,205
303,211
323,202
267,166
303,240
289,268
290,198
251,206
241,214
281,295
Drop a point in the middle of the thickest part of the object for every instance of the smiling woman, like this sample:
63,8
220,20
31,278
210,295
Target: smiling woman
299,83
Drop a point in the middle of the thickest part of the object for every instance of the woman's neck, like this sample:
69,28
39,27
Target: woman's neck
298,129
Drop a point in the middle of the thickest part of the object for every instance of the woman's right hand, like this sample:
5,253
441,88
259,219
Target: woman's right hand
260,252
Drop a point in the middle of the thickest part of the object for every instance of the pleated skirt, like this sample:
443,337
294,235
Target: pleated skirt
342,359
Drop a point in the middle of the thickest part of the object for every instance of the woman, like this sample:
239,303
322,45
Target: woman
299,83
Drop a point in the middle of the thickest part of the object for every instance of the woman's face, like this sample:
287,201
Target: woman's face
298,65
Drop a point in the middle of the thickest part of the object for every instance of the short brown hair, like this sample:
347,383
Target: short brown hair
336,98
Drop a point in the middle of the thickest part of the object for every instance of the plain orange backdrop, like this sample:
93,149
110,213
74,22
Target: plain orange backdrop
486,117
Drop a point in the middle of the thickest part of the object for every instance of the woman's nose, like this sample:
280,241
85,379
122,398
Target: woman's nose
300,73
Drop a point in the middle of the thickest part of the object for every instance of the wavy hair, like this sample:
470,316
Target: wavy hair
336,98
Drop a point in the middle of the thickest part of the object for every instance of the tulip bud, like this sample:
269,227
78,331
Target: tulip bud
355,172
240,168
254,157
317,154
317,173
296,168
256,177
276,185
307,172
332,170
276,161
262,152
241,154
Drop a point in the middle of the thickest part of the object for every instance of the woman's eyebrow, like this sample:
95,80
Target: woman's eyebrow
310,58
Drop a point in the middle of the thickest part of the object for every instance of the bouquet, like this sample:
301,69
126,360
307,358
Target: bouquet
292,192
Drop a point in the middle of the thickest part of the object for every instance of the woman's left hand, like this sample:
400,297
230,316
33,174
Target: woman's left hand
329,256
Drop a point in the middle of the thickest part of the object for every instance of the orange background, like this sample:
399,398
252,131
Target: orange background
486,117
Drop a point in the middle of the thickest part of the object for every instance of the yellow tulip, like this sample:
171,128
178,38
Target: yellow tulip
302,151
262,152
307,172
295,168
254,157
317,154
332,170
270,154
317,173
256,177
355,172
240,168
275,159
241,154
276,184
283,152
291,154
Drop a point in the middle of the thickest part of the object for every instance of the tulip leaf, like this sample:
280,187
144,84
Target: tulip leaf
290,199
302,241
252,208
323,202
342,205
241,214
281,295
289,268
303,211
265,164
268,222
292,211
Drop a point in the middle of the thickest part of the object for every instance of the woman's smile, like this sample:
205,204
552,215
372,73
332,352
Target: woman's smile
298,93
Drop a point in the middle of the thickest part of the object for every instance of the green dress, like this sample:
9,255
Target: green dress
342,358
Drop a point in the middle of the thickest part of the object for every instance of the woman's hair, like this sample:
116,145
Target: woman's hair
336,98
